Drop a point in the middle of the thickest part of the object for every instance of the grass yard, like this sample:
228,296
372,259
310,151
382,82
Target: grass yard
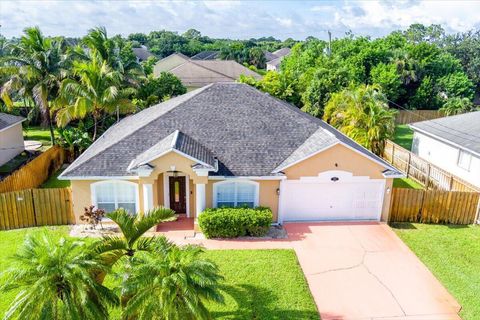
406,183
54,182
39,134
403,136
452,253
259,284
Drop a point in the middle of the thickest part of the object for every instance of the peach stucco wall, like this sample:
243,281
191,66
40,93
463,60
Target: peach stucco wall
335,158
340,157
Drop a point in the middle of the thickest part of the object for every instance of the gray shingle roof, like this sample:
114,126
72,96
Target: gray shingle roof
249,132
462,130
142,53
175,141
282,52
206,55
6,120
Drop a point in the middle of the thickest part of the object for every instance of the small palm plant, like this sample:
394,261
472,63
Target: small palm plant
55,281
172,283
133,228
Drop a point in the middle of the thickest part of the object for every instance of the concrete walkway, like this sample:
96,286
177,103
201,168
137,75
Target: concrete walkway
354,271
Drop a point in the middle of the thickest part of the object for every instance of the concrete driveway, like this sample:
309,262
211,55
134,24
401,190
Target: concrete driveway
364,271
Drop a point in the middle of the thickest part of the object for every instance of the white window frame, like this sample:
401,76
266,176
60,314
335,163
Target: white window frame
93,192
236,182
464,153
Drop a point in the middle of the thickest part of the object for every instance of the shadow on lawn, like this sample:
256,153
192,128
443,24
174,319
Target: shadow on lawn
402,225
258,303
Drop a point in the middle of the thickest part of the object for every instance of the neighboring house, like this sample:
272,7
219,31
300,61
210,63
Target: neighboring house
199,73
206,55
11,137
451,143
142,53
228,144
168,63
274,63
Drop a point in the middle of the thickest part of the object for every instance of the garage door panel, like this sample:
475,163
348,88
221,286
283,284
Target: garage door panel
307,200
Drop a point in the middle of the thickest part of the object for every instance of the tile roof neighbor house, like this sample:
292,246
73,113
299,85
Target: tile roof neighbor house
206,55
199,73
228,144
451,143
11,137
142,53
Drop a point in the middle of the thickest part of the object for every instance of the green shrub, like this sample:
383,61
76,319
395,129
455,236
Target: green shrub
235,222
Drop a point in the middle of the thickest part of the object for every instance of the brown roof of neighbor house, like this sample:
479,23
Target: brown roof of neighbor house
199,73
168,63
7,120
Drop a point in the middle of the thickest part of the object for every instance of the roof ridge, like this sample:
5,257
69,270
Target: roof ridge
220,73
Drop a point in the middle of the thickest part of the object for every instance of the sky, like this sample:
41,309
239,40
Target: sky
237,19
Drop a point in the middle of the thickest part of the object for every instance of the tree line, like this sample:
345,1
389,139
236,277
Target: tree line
84,85
359,83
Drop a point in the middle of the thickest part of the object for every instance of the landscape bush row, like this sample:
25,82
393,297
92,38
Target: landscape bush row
235,222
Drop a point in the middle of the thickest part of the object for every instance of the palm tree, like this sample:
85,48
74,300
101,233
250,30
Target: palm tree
133,228
109,50
35,67
407,67
95,90
172,284
55,281
362,113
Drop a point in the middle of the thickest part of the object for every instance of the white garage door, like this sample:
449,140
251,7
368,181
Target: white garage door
320,198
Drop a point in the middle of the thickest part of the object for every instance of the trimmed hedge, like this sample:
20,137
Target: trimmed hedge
235,222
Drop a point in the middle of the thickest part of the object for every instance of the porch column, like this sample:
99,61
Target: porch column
200,198
147,197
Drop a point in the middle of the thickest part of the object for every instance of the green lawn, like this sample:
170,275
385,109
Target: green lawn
54,182
39,134
406,183
403,136
259,284
452,253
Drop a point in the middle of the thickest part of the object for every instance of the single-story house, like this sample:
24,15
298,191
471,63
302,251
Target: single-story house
451,143
142,53
228,144
274,63
198,73
11,137
206,55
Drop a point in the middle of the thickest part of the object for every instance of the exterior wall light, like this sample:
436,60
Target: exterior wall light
334,179
278,191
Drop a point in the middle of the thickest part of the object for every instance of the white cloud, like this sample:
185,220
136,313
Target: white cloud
236,19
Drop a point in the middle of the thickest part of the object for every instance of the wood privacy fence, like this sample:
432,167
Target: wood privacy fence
434,206
36,207
410,116
422,171
35,172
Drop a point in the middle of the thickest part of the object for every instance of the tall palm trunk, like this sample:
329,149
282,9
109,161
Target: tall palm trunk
50,126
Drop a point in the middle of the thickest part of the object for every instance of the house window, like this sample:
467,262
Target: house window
464,160
235,194
112,195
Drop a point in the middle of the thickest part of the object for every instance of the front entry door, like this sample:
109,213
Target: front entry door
178,196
